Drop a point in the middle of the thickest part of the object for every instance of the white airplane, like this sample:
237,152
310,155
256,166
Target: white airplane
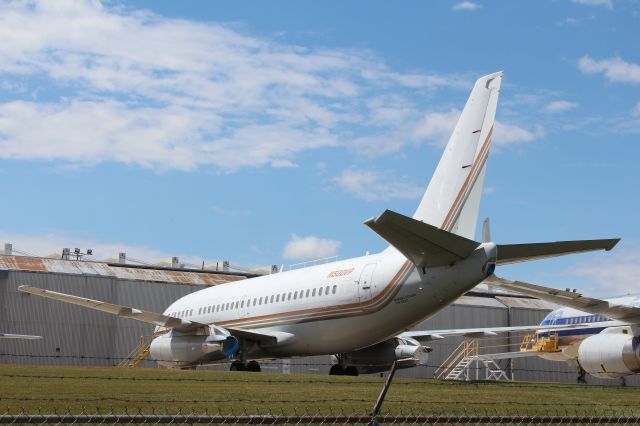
357,306
601,336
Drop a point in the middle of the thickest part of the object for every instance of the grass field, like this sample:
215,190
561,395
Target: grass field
58,389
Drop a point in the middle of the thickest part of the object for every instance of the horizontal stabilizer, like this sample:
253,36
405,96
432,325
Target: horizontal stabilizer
629,314
423,244
512,253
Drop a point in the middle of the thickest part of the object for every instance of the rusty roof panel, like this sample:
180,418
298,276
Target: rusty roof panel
526,303
80,267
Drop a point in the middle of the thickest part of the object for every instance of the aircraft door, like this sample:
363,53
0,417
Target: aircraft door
365,282
243,309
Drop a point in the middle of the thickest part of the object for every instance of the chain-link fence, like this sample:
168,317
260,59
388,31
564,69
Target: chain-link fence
304,416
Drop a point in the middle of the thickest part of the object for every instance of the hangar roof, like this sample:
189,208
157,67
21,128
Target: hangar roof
125,272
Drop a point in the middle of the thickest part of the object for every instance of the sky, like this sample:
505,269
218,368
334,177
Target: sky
267,132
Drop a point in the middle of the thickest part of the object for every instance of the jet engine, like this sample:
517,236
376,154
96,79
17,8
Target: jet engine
612,354
380,357
176,350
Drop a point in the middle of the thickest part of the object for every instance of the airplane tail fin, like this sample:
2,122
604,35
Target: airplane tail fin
452,199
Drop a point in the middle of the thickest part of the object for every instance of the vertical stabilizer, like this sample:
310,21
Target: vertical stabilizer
452,199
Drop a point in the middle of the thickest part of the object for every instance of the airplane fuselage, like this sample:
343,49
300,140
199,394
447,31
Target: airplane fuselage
569,340
331,308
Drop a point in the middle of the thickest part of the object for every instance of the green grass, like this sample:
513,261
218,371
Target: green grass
58,389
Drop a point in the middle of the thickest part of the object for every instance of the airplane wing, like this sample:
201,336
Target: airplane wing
624,313
18,336
118,310
428,335
145,316
428,246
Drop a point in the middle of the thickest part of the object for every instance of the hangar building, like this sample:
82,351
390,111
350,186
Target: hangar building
78,336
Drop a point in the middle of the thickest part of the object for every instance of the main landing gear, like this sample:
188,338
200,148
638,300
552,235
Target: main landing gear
338,370
252,366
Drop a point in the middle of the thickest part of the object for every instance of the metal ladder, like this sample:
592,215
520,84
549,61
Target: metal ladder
459,369
458,358
138,354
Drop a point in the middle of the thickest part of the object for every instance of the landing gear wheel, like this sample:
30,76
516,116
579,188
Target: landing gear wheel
336,370
253,366
582,379
237,366
351,370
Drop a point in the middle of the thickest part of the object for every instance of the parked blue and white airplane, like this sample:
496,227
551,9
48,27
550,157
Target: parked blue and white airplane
355,308
601,336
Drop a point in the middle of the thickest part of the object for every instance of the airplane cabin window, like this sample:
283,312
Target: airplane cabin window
326,290
295,295
313,293
320,292
335,288
242,304
260,301
289,298
307,293
277,298
271,300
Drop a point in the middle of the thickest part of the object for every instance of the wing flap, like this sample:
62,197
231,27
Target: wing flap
428,335
624,313
423,244
118,310
512,253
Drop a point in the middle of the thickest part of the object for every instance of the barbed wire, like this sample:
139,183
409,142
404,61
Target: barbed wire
87,400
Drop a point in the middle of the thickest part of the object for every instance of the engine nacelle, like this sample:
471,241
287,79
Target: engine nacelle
176,350
612,354
378,358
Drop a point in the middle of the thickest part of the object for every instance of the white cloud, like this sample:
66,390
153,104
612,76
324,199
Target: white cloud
437,127
636,110
166,93
51,244
615,69
309,248
605,3
230,212
466,5
559,106
613,274
511,134
373,186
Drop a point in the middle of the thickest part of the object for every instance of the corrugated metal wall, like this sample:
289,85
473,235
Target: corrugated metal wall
79,336
75,335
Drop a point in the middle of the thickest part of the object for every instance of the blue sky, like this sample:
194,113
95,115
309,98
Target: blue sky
266,132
